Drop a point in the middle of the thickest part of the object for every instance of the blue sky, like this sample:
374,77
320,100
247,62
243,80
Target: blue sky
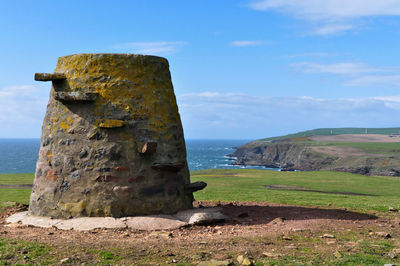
242,69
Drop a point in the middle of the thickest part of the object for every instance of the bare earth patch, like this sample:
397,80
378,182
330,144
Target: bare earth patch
339,151
357,138
260,231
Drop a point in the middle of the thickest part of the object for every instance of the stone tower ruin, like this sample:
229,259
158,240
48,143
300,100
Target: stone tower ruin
112,142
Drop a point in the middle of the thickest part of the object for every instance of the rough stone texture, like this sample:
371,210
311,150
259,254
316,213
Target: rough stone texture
144,223
25,219
17,217
112,141
90,223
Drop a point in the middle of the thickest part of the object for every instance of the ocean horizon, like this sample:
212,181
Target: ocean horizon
19,155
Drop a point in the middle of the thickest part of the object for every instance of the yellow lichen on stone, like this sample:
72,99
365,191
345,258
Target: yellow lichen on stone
109,123
74,208
49,156
152,99
64,125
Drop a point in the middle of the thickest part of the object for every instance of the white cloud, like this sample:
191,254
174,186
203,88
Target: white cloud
245,43
331,16
373,80
331,9
342,68
21,111
233,115
330,29
151,47
359,74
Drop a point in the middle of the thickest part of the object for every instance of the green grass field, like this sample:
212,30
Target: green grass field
249,185
20,195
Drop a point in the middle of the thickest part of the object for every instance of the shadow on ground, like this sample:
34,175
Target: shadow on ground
255,214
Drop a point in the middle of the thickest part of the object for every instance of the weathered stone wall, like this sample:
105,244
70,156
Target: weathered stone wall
112,142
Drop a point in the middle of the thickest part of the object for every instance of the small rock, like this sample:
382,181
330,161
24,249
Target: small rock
83,153
394,254
292,246
201,216
337,254
278,220
332,242
297,230
286,238
64,260
242,260
383,234
327,236
271,255
75,175
392,209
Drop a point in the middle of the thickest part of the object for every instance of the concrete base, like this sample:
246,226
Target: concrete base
145,223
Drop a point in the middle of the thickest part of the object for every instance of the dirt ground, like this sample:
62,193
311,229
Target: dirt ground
357,138
259,231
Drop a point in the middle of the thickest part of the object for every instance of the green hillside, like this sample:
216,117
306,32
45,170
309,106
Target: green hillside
337,131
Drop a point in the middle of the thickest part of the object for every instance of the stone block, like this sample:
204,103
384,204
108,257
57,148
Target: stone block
201,216
49,76
154,222
90,223
109,123
75,96
52,175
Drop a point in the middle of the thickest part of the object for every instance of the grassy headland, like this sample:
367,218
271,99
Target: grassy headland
332,149
337,131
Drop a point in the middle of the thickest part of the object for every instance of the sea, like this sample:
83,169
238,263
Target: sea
20,155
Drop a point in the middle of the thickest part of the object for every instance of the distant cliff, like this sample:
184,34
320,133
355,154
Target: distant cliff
316,156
